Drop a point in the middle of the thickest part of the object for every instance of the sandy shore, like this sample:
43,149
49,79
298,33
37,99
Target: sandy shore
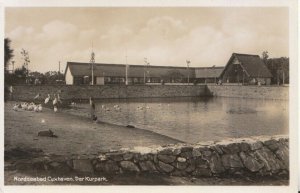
77,135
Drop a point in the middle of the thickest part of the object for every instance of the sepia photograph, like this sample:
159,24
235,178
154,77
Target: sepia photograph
172,96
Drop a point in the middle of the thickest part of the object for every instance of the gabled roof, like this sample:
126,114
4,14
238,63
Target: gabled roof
208,72
118,70
252,64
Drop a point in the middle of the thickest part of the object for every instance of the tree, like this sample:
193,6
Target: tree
265,56
8,52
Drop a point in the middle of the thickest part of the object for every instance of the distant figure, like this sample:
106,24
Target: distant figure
93,107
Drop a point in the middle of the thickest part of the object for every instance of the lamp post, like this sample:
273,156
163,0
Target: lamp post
188,65
92,61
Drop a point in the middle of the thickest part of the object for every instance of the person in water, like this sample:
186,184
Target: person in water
93,107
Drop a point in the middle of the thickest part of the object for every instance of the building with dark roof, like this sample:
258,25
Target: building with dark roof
81,73
246,69
208,74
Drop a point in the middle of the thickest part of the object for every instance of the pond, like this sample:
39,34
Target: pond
198,119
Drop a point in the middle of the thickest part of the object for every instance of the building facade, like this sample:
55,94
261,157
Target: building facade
245,69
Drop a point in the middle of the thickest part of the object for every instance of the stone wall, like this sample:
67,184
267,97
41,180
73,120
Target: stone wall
262,92
250,156
26,92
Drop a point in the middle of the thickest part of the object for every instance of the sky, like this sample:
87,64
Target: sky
206,36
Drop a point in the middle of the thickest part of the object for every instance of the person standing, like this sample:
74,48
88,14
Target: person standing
93,107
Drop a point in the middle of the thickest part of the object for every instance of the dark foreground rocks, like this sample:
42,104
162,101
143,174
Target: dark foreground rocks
260,157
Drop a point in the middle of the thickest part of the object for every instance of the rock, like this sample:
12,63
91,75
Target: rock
110,167
215,164
244,146
155,159
100,167
272,144
217,148
129,166
147,166
181,159
231,161
83,165
231,148
255,145
186,154
115,156
166,158
167,151
196,153
268,159
186,149
165,167
201,163
206,154
181,165
127,156
202,172
191,167
250,163
176,151
283,154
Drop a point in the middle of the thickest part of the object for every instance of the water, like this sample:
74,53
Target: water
198,119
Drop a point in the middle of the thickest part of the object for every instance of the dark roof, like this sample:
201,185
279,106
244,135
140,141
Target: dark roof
208,72
252,64
118,70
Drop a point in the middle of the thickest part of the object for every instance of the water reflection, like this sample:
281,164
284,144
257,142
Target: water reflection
198,119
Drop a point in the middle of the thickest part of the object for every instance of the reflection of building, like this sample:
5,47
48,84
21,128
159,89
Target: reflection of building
246,69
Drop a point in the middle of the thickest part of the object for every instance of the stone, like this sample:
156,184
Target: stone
181,159
196,153
215,164
110,167
127,156
129,166
202,172
167,151
100,167
201,163
137,157
272,144
181,165
244,146
186,148
191,167
176,151
206,154
283,154
155,159
166,158
186,154
147,166
250,163
165,167
256,145
115,156
268,159
231,148
217,149
231,161
83,165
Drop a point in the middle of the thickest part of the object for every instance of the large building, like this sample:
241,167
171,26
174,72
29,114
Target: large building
245,69
81,73
240,69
